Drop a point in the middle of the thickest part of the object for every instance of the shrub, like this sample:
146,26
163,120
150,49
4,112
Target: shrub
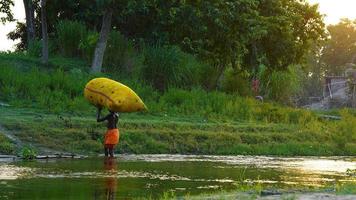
55,91
166,66
281,86
119,54
87,45
345,130
69,35
35,48
236,82
28,153
6,146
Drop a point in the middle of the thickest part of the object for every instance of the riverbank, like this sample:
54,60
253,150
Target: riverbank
163,134
43,110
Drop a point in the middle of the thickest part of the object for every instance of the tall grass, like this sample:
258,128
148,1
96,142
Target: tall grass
59,90
6,146
69,35
169,66
54,91
236,82
120,55
282,86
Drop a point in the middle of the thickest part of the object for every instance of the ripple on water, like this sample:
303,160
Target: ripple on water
327,165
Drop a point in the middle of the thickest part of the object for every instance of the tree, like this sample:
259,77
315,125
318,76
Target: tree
44,32
293,27
340,49
103,38
30,21
5,7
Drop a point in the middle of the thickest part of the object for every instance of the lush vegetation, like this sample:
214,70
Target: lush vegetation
232,42
185,135
203,74
179,121
6,146
61,90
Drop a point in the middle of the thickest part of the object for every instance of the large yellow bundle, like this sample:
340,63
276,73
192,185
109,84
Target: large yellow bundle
104,92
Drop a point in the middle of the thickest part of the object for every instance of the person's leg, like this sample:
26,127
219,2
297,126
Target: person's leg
106,150
111,150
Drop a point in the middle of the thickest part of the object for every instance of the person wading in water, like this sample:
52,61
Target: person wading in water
112,134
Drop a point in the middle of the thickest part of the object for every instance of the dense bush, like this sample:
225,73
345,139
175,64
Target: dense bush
345,130
87,45
236,82
281,86
55,91
69,35
165,67
119,54
6,146
61,91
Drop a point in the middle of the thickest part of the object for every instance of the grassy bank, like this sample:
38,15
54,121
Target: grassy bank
6,146
168,134
48,109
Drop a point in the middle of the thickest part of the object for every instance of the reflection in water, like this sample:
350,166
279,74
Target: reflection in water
11,172
328,166
110,180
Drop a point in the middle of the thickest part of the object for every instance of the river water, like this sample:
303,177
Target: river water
144,176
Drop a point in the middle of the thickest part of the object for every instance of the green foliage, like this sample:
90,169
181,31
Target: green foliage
5,10
153,133
6,146
119,54
162,67
282,86
70,34
87,45
28,153
236,82
345,188
58,91
345,130
55,91
339,49
35,48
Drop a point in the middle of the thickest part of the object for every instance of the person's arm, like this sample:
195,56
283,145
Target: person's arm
98,119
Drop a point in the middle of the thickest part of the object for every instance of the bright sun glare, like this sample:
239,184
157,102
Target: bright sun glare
333,10
336,9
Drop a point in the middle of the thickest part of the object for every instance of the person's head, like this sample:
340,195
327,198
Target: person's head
112,112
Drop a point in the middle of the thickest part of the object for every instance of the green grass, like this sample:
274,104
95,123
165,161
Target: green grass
6,146
346,188
168,134
253,191
48,109
58,88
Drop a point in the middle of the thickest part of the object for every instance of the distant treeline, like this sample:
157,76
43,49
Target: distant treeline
212,44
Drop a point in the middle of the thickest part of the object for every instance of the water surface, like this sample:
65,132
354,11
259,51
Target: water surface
142,176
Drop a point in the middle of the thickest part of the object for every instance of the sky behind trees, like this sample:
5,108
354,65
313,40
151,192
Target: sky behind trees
334,11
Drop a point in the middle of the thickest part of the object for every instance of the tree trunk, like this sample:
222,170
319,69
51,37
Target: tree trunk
101,44
44,32
30,21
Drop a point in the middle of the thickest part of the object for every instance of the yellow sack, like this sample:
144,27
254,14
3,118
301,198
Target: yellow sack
104,92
